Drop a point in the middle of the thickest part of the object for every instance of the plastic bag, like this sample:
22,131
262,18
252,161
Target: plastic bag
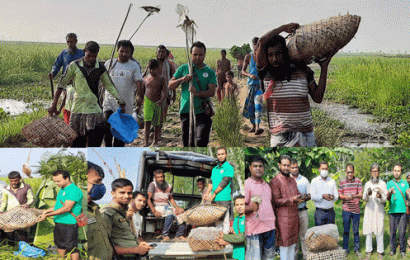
204,239
123,126
29,251
322,238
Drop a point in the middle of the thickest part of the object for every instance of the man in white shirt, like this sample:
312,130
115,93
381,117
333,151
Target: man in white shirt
127,78
375,195
324,193
304,189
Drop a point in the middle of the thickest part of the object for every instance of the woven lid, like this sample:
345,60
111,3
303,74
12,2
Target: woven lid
317,40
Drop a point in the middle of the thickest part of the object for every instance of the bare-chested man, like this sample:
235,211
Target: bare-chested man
155,89
167,70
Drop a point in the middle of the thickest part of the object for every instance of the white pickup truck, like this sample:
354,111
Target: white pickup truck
181,169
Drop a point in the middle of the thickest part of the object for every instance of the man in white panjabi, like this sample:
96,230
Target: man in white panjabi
375,195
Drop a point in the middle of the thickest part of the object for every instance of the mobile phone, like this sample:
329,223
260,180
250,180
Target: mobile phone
153,245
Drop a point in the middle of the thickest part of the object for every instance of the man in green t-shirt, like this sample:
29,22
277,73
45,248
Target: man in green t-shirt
68,203
236,235
220,186
397,214
203,88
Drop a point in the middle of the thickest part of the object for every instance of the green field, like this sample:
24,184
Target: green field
376,84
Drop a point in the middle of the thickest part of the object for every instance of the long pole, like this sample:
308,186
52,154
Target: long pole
116,42
192,134
148,15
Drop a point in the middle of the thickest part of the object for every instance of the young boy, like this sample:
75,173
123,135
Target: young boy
155,90
230,89
237,236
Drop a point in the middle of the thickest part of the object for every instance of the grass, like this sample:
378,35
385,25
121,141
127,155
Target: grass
328,131
377,85
228,122
339,223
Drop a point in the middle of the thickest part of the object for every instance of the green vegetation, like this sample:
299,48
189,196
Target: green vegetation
377,85
227,122
239,53
328,131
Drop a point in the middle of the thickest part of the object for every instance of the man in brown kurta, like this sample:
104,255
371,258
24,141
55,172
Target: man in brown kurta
285,200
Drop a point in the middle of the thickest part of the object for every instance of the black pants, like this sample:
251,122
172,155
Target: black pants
92,138
108,138
203,129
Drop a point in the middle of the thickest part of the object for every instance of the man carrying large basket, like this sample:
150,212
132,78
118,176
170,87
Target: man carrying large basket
290,119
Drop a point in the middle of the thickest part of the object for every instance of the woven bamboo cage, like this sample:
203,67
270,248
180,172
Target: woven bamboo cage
49,132
321,242
18,218
315,41
204,239
202,215
337,254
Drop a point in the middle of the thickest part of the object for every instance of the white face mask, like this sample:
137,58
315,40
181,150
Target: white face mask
324,173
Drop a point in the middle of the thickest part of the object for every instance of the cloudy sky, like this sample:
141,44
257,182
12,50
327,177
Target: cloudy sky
221,23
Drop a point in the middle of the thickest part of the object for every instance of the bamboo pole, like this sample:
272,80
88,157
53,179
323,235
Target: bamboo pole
148,15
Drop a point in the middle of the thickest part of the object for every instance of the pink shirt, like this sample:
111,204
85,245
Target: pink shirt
265,219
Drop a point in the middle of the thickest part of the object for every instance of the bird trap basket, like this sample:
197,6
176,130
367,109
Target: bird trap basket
204,239
337,254
202,215
18,218
317,40
26,169
49,132
322,238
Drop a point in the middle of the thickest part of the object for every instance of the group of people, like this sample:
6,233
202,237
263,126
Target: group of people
276,213
112,232
68,205
87,106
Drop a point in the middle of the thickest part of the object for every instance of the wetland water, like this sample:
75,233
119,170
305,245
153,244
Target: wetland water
16,107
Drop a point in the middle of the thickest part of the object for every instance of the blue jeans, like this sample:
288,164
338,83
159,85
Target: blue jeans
347,218
323,217
398,220
168,224
261,246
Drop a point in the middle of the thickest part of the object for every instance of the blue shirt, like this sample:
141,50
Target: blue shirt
254,71
64,59
303,187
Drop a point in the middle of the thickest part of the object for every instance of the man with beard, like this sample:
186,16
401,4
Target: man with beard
324,193
285,199
220,185
159,198
259,215
351,191
397,213
138,202
126,75
87,119
253,104
203,88
290,118
17,193
375,195
63,60
304,189
124,242
99,246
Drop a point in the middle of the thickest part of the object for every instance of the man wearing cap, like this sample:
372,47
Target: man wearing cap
99,246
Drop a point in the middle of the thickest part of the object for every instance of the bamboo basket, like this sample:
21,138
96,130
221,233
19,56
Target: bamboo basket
202,215
204,239
337,254
18,218
321,242
49,132
315,41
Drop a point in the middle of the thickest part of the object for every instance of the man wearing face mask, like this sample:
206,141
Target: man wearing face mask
285,199
324,193
86,119
99,247
375,195
351,191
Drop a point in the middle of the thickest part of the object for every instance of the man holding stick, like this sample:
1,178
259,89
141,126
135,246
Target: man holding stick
203,88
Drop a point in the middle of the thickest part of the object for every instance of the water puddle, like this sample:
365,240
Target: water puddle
15,107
